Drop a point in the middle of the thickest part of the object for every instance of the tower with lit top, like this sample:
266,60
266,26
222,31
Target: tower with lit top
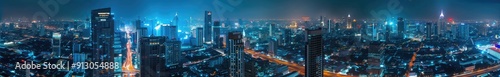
440,24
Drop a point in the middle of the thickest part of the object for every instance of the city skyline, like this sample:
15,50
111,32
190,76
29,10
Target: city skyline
258,38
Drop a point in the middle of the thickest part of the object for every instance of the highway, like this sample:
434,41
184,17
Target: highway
291,66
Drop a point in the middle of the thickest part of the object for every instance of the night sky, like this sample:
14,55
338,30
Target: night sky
255,9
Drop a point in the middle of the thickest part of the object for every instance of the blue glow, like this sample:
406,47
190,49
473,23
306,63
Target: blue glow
390,23
185,37
179,31
157,27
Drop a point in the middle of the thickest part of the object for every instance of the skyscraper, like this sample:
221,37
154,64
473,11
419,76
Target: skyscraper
217,32
440,25
42,30
272,46
173,52
56,44
140,32
349,22
235,49
175,21
171,32
401,28
463,31
429,31
152,55
199,36
272,28
102,39
330,25
208,27
314,53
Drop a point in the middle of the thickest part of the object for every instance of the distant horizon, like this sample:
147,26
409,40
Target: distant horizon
263,9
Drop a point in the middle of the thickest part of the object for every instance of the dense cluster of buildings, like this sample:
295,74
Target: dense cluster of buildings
391,47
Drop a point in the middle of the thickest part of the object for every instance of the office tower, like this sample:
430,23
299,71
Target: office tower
175,21
170,32
42,30
235,49
272,46
118,48
272,28
349,22
216,31
330,25
56,44
429,31
401,28
440,24
152,55
314,53
199,36
463,31
173,54
102,39
208,27
140,32
86,29
322,21
287,33
373,28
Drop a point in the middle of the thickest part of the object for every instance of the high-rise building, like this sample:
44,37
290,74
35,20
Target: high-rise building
463,31
430,30
208,27
140,32
199,36
330,25
42,30
440,25
314,53
175,21
102,39
349,22
173,48
401,28
171,32
235,49
56,44
217,32
272,46
272,28
152,55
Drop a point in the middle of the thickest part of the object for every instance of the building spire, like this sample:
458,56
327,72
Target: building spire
442,15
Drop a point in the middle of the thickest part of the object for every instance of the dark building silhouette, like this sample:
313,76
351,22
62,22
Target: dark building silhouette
152,56
314,53
208,27
102,39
